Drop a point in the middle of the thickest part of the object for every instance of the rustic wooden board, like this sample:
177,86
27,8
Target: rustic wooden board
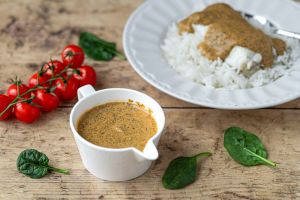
32,31
187,132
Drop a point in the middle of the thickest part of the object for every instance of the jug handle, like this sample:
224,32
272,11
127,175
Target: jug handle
85,91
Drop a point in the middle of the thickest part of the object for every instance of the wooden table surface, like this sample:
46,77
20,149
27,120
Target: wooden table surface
33,31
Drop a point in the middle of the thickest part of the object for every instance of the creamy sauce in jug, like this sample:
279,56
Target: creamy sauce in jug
117,125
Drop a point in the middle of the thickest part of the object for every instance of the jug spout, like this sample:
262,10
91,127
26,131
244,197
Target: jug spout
150,152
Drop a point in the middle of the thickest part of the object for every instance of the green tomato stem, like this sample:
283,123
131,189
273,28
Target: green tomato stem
269,162
18,87
12,104
62,171
203,155
15,101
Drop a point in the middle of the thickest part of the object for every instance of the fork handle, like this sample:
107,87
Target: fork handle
288,33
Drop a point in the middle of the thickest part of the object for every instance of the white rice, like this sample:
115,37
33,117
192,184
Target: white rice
182,54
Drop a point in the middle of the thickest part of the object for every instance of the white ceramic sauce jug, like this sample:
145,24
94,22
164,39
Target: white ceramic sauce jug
109,163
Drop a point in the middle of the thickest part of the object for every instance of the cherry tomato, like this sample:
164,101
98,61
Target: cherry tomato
4,102
87,75
12,91
66,91
47,101
72,56
53,67
26,112
38,78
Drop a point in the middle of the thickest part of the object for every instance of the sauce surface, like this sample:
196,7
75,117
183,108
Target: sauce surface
227,29
117,125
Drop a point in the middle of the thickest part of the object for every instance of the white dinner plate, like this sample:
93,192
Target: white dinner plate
146,29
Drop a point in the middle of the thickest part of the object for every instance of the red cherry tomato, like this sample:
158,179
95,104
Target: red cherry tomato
53,67
87,75
26,112
47,101
12,91
38,78
66,91
72,56
4,102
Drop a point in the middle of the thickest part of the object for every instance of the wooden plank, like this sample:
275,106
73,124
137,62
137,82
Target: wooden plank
187,132
34,30
31,33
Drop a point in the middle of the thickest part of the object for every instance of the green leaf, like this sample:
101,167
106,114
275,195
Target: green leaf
245,148
97,48
182,171
34,164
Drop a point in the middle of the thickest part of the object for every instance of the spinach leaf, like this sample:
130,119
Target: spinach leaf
182,171
245,148
97,48
34,164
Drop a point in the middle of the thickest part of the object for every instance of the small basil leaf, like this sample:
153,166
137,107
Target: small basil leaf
98,53
245,148
181,171
34,164
97,48
32,170
90,38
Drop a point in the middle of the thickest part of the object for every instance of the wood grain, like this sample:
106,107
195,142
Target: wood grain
187,132
33,31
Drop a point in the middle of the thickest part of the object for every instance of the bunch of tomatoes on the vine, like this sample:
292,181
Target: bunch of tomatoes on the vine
56,81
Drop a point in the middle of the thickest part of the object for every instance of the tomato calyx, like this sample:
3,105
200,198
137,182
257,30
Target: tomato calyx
50,90
66,88
40,72
70,54
15,81
73,56
76,71
17,88
85,75
51,66
66,78
54,67
29,101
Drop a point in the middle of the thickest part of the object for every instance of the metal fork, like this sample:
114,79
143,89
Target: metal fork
263,21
